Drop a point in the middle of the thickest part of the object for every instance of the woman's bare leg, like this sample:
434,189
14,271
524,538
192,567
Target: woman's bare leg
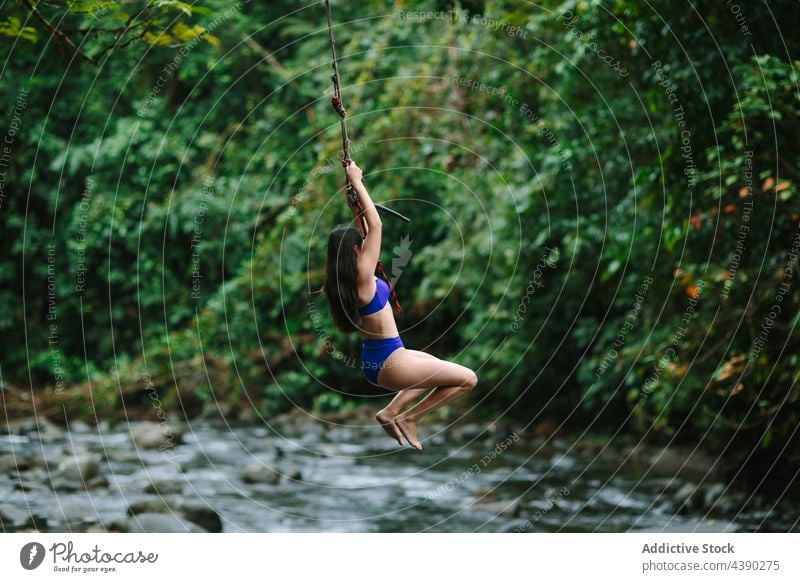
386,416
438,397
406,370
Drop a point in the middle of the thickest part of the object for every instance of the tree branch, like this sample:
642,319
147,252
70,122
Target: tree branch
56,32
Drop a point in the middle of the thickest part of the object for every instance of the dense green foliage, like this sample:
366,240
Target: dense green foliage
603,199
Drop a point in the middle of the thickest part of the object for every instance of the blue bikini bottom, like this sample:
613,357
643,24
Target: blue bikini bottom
374,354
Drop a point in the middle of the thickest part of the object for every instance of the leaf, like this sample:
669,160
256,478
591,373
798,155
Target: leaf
159,39
11,27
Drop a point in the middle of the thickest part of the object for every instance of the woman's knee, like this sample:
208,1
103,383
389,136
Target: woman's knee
470,381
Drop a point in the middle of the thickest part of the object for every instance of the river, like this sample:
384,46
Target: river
305,475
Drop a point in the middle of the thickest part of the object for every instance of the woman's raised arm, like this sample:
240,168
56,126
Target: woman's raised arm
371,247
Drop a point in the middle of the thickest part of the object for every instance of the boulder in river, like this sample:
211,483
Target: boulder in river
193,510
75,513
199,512
260,473
506,508
156,523
10,463
156,435
79,467
466,432
29,486
164,486
292,474
13,518
35,428
76,472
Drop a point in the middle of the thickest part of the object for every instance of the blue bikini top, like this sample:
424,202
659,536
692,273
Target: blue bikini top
378,300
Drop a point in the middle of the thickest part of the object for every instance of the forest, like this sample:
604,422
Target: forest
604,218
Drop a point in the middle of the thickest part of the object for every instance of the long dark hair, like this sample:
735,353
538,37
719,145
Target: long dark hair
341,282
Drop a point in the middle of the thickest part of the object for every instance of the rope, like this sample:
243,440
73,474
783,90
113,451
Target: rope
352,195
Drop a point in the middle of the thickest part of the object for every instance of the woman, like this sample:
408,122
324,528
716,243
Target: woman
358,301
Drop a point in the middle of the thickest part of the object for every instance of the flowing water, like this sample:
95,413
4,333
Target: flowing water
356,479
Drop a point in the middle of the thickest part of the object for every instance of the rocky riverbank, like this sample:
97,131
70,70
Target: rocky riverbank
298,472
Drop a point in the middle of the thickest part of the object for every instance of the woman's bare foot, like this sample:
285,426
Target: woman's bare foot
409,429
386,420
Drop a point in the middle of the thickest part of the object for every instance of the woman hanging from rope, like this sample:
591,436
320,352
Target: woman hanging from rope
358,301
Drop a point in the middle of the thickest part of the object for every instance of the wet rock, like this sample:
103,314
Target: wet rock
665,485
192,510
80,467
62,484
215,414
506,508
164,486
156,523
34,428
730,502
156,435
13,518
150,505
73,512
467,432
687,498
712,494
11,463
260,473
77,472
79,426
499,430
97,482
340,434
292,474
561,444
30,486
705,526
675,461
201,513
299,424
121,456
545,429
